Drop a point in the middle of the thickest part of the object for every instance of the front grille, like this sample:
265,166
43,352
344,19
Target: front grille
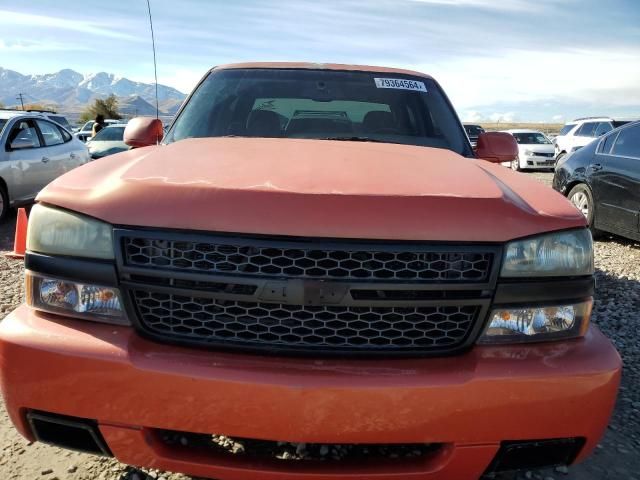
305,295
206,320
249,449
302,261
544,154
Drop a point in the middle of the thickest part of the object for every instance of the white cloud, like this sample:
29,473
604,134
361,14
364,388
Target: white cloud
558,118
515,5
597,75
33,21
472,116
507,117
184,79
36,46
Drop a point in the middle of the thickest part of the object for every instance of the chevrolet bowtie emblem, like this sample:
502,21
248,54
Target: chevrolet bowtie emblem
305,292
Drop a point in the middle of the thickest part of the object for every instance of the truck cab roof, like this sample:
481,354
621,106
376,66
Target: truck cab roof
318,66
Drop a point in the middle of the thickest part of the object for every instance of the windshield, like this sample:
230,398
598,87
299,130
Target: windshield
110,134
321,104
567,128
536,138
619,123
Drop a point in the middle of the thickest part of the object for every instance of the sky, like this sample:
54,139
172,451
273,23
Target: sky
498,60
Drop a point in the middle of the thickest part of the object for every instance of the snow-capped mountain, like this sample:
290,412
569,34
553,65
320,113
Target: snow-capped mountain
107,83
69,90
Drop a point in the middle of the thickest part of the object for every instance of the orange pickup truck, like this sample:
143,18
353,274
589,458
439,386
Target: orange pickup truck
312,276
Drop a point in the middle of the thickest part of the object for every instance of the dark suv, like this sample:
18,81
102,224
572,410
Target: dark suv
473,131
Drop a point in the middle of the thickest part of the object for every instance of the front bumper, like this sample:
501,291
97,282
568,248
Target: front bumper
537,162
470,402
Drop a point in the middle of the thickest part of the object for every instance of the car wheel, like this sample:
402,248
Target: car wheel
581,197
4,203
515,165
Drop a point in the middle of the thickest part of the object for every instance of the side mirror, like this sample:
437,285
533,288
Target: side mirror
20,144
143,132
497,147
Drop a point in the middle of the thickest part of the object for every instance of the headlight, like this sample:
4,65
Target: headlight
58,232
521,324
528,152
89,302
559,254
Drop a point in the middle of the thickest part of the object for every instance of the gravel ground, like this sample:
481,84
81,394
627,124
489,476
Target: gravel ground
616,312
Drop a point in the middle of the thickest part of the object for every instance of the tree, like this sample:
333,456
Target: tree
39,106
108,107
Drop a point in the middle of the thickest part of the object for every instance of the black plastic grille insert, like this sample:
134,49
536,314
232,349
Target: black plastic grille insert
207,321
235,257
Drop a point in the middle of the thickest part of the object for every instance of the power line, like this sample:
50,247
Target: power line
19,97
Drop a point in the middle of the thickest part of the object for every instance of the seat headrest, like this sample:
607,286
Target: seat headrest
263,123
378,120
318,125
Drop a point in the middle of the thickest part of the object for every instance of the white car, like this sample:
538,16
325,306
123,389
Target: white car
50,114
582,131
108,141
535,150
86,130
33,151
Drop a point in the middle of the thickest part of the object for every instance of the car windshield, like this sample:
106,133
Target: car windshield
110,134
321,104
567,128
529,138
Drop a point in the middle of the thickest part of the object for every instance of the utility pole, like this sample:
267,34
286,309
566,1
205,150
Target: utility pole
19,97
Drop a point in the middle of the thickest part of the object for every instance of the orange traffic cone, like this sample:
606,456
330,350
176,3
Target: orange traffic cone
20,242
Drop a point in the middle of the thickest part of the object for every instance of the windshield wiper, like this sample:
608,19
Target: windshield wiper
344,139
357,139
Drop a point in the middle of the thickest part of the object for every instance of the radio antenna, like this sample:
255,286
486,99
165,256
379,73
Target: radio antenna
155,67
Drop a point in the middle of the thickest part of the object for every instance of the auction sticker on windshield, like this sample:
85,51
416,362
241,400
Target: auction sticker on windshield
401,84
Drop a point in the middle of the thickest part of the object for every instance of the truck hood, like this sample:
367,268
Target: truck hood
313,188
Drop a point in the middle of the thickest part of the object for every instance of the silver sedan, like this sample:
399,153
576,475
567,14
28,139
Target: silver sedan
33,152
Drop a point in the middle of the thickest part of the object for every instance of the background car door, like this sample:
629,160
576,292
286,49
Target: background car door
617,189
24,153
58,149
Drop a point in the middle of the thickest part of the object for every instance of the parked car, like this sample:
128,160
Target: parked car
535,150
34,152
48,114
108,141
473,131
581,131
86,131
248,294
603,181
56,117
